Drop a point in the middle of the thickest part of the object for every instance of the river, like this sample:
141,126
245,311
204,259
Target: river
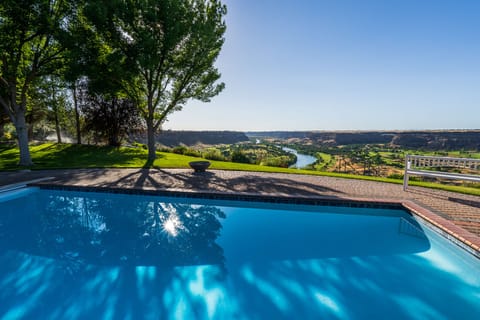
303,160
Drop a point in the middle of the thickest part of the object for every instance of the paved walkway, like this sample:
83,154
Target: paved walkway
462,210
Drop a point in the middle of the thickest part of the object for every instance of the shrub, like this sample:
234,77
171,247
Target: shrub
186,151
240,157
214,154
395,176
110,118
179,149
140,145
192,153
282,161
162,148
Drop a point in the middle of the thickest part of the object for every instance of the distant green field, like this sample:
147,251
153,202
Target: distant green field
72,156
327,160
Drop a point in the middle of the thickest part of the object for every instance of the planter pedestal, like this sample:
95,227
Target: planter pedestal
199,166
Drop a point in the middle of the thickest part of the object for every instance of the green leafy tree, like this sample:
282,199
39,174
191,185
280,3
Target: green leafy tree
48,101
29,49
85,55
110,118
160,52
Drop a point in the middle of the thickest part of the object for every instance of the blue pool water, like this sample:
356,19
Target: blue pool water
74,255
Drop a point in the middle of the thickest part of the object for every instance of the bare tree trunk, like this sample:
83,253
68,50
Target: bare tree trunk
57,125
150,119
22,136
77,114
151,142
55,111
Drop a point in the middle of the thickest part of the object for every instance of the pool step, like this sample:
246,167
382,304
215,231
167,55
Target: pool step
409,228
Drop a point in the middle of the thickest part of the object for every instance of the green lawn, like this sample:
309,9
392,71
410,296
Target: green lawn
71,156
327,161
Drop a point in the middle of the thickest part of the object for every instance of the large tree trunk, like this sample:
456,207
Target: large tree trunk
150,120
22,136
151,142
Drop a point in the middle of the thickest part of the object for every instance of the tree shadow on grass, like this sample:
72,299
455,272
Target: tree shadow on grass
150,163
10,160
85,156
7,146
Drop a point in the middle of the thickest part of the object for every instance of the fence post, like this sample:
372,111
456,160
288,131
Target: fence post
405,174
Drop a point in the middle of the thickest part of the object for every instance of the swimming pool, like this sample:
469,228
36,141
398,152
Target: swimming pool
87,255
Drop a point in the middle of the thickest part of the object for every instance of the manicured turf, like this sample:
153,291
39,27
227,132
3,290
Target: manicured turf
70,156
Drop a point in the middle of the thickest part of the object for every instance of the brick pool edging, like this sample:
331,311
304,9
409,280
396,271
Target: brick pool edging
459,236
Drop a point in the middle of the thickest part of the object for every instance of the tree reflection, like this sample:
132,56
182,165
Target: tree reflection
114,230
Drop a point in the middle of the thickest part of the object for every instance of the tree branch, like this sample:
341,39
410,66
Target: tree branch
7,108
3,81
178,96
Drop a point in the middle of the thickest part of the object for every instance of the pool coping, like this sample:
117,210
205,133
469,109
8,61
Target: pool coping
459,236
15,186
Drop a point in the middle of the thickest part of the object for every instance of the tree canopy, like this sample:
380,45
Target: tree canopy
161,53
157,53
29,49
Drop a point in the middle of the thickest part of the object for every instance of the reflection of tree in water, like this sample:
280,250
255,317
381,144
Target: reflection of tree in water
164,233
116,231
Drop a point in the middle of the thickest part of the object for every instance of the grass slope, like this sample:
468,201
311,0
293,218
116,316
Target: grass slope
72,156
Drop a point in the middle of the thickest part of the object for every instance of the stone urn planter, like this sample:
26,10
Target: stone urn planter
199,166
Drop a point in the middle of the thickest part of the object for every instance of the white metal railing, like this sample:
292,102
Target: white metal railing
419,165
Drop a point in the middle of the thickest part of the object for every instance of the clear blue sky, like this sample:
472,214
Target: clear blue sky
345,65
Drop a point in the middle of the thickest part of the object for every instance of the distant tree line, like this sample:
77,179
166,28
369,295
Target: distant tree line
98,68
